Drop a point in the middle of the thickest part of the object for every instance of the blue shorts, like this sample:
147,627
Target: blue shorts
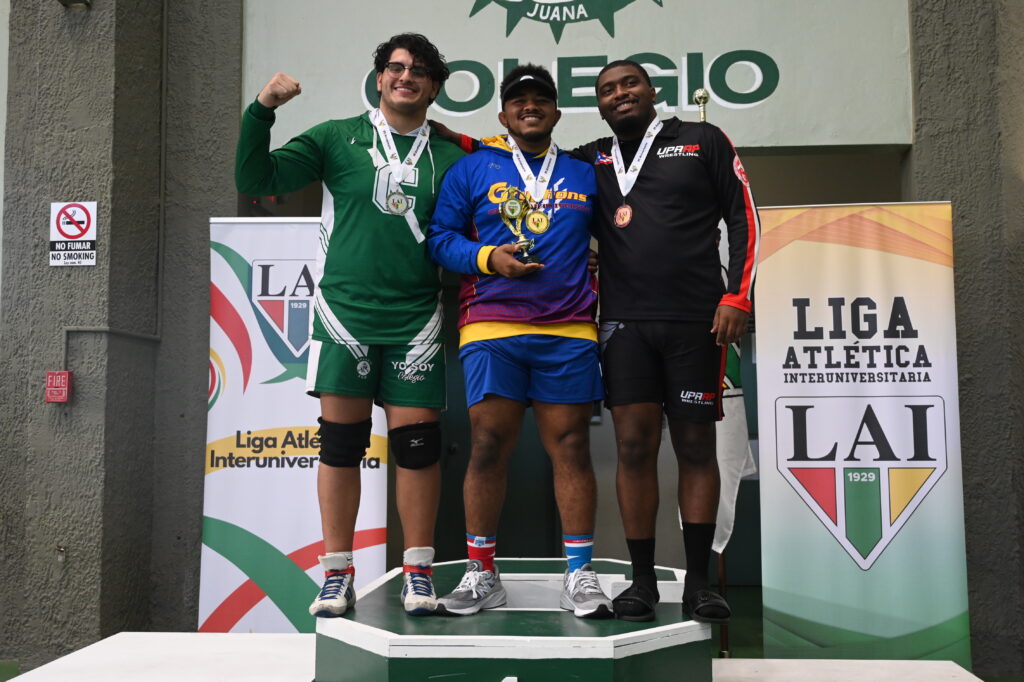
551,369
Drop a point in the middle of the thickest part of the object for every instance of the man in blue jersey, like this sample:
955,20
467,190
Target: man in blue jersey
513,219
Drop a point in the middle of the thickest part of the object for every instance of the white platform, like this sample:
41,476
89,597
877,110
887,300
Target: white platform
191,657
774,669
185,657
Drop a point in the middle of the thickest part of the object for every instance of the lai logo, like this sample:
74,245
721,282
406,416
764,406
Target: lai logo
863,465
282,291
557,13
279,292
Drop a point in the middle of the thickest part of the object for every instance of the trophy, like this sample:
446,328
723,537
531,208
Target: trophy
700,98
512,212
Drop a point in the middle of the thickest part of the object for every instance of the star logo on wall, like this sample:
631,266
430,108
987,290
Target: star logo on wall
557,13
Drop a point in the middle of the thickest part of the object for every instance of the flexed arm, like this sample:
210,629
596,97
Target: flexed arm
262,172
279,90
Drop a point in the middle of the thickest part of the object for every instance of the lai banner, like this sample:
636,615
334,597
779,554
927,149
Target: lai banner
261,521
861,490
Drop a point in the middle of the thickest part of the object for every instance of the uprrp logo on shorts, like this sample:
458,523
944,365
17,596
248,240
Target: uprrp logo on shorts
557,13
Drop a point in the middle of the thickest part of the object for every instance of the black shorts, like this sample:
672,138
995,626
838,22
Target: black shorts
676,364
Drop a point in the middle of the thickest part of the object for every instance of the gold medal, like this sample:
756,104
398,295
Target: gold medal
537,221
623,214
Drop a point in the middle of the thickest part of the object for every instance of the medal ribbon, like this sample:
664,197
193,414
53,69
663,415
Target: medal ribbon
627,178
400,169
535,186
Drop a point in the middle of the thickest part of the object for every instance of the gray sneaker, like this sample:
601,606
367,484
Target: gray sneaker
581,594
478,589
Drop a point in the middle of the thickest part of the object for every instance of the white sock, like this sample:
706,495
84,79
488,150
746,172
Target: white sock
335,561
418,556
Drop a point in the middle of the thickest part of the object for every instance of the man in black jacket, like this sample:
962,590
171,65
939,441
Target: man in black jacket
667,317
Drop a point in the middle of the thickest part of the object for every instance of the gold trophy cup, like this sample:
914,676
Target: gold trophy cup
512,212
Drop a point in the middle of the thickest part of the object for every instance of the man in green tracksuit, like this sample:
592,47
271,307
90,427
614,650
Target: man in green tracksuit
377,315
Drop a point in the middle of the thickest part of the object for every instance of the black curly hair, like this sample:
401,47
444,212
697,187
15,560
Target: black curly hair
622,62
419,47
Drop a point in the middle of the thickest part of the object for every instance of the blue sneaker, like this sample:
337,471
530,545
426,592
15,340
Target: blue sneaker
336,596
418,596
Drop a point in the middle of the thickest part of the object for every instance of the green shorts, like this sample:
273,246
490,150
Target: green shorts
407,376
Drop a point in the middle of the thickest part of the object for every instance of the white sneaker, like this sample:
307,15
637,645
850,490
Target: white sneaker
338,593
418,596
336,596
581,594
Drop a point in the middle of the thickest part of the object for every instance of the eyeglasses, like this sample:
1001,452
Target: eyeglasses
396,69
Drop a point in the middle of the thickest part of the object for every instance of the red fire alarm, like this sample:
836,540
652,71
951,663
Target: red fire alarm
58,387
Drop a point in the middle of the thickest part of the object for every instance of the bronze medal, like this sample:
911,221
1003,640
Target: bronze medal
623,214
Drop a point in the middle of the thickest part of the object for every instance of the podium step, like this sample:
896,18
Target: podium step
529,640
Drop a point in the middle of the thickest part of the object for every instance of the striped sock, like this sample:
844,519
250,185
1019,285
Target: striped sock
579,550
481,549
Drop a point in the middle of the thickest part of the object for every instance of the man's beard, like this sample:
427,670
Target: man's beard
535,136
631,126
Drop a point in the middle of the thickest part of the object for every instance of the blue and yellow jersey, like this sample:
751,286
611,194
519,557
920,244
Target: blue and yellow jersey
560,299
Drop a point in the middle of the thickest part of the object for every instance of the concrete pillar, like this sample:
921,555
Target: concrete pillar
204,76
969,148
115,476
83,125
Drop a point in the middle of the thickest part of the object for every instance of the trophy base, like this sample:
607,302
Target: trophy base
523,254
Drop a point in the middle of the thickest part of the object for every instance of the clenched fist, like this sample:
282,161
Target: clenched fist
279,90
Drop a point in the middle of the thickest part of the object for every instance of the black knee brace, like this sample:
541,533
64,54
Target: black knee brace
416,446
343,445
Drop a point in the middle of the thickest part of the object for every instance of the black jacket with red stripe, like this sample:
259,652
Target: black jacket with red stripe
664,265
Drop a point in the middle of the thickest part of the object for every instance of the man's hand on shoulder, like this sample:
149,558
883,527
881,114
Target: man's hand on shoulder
444,132
504,262
279,90
729,324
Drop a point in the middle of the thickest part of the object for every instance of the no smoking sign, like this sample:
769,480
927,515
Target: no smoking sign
73,233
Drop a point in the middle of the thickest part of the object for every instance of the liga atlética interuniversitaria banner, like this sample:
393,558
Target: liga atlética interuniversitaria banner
261,522
861,489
